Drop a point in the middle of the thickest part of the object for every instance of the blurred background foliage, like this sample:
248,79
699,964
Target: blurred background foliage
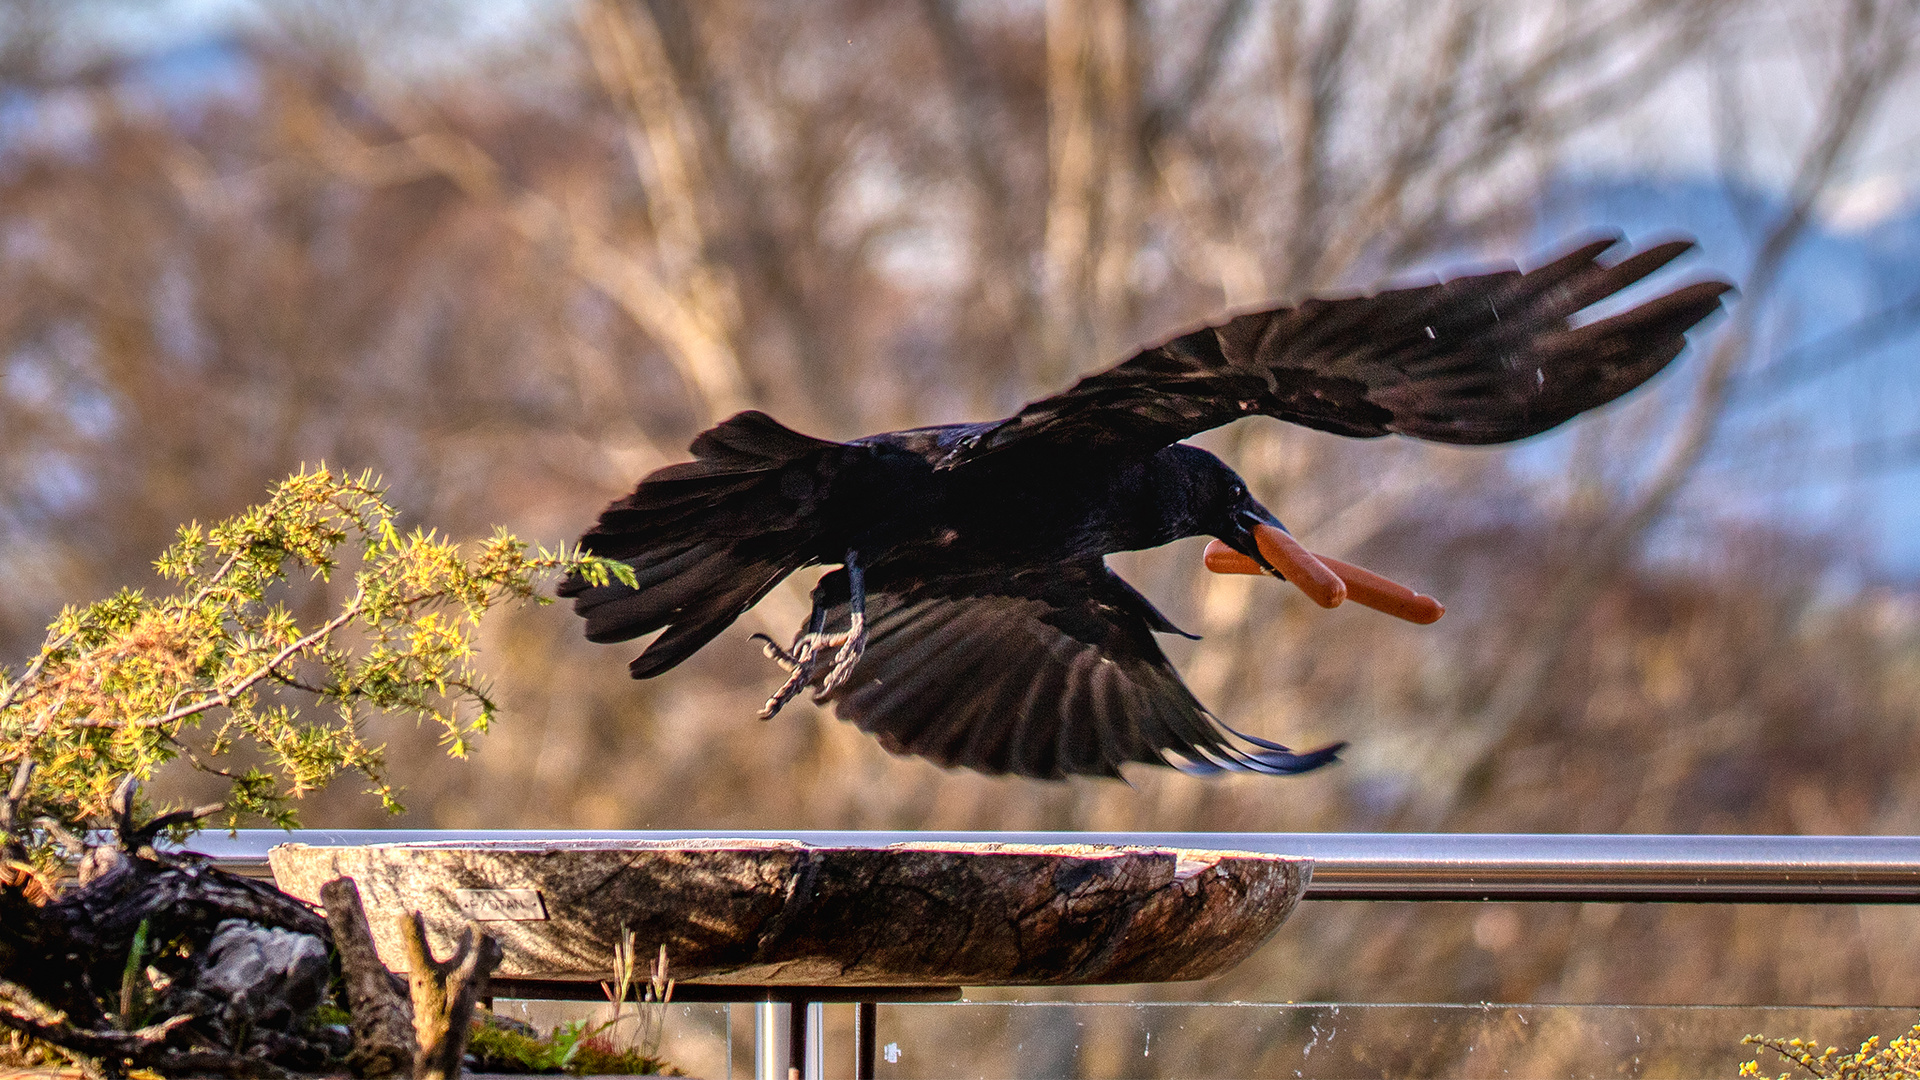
513,261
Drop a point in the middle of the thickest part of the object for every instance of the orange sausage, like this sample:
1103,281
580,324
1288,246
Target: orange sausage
1364,587
1369,589
1300,566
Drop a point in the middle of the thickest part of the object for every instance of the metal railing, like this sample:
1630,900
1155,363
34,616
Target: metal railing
1346,866
1372,866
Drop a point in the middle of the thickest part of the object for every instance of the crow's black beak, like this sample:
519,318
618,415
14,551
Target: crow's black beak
1263,547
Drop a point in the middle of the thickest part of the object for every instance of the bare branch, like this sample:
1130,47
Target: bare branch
1312,94
1832,352
695,337
1873,56
27,678
383,1037
1167,116
1095,182
444,993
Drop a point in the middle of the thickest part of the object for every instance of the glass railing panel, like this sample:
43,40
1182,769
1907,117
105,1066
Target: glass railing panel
974,1040
1327,1041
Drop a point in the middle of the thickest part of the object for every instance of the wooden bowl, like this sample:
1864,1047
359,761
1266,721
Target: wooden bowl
775,912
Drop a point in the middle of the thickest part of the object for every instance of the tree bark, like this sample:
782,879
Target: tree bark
444,993
383,1039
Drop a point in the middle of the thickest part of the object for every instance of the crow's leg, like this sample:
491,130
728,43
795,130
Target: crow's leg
807,659
856,642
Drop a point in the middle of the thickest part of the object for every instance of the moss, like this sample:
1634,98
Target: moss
498,1049
577,1048
599,1057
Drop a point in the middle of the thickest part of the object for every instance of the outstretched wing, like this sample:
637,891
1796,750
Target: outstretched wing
1482,359
1040,674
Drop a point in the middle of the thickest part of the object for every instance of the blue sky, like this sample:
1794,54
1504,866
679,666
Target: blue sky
1816,438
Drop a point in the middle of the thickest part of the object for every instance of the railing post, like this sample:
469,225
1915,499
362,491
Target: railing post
812,1056
866,1039
772,1050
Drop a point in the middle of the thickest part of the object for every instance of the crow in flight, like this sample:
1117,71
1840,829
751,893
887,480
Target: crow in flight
973,620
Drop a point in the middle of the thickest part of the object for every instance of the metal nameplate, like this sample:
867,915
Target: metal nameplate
501,905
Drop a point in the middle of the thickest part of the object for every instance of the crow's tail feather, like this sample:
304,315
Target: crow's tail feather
706,538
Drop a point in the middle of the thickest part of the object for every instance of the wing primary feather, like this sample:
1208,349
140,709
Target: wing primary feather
942,728
1473,360
1031,749
984,716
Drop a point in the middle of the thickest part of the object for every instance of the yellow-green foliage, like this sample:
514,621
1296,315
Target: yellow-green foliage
118,684
21,1052
1898,1060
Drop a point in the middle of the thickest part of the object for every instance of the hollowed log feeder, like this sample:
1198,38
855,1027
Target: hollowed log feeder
773,912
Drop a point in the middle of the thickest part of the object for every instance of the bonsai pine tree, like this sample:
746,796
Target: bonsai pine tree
217,671
122,686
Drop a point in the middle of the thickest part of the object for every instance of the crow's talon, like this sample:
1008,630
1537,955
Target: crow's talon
805,663
786,693
774,652
855,643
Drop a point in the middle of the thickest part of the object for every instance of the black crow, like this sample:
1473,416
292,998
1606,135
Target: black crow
973,620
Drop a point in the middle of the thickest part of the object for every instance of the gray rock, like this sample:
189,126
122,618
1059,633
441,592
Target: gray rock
262,977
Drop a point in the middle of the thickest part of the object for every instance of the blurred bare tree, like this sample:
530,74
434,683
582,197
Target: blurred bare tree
515,283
